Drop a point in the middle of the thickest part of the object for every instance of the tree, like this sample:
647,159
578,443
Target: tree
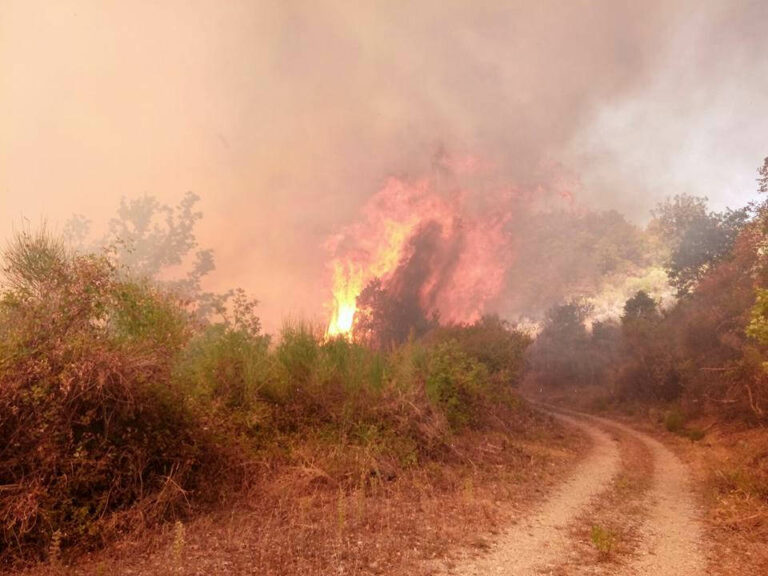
384,319
560,354
762,185
157,242
155,237
149,240
640,306
696,238
648,371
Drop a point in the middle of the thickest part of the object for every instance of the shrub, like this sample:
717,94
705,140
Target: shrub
491,341
226,365
674,420
120,407
91,423
455,383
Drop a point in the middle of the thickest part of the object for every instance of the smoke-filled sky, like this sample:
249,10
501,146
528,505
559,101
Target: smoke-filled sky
286,116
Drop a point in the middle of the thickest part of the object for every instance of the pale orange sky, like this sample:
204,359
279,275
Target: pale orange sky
284,116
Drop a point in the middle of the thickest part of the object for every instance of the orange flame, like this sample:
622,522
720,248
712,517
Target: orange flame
380,241
471,230
348,283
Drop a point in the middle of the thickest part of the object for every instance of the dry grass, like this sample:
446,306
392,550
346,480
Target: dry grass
298,520
606,535
731,468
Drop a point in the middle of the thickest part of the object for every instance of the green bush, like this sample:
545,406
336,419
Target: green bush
492,342
455,383
674,421
226,365
603,539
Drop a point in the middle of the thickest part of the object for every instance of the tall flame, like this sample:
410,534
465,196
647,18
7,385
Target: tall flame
347,285
375,247
448,246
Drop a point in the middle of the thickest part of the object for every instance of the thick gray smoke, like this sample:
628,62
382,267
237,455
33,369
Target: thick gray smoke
286,116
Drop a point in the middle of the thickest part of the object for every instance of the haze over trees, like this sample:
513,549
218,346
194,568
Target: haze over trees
131,396
706,350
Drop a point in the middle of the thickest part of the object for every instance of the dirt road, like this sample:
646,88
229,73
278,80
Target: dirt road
670,538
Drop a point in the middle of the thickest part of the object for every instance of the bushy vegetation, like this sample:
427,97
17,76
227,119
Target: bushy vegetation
89,427
706,353
121,406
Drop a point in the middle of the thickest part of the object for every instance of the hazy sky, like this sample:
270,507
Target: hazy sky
285,116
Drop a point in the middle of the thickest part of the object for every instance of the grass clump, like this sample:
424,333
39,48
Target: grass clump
674,421
603,539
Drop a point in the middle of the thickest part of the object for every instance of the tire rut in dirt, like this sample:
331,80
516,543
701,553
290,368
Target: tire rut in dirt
540,539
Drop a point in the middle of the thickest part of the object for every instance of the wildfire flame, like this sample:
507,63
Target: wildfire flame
348,283
446,245
464,270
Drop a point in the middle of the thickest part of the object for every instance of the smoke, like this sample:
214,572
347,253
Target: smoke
286,117
442,246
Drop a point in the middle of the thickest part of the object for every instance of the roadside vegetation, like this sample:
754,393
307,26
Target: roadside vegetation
696,367
128,402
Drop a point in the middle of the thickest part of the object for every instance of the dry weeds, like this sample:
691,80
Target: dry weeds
299,520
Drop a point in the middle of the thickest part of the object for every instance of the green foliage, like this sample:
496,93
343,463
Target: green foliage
758,318
640,307
492,342
298,352
455,383
674,421
697,238
144,314
226,365
695,434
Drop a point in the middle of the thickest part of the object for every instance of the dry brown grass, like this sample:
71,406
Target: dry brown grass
607,534
731,468
299,519
729,462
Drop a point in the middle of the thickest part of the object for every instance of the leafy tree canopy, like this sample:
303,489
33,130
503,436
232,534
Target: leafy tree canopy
696,237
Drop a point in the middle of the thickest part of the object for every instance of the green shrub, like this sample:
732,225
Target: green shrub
694,434
226,365
143,313
491,341
455,383
298,353
674,420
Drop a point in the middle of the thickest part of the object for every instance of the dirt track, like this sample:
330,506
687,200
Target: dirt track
671,541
